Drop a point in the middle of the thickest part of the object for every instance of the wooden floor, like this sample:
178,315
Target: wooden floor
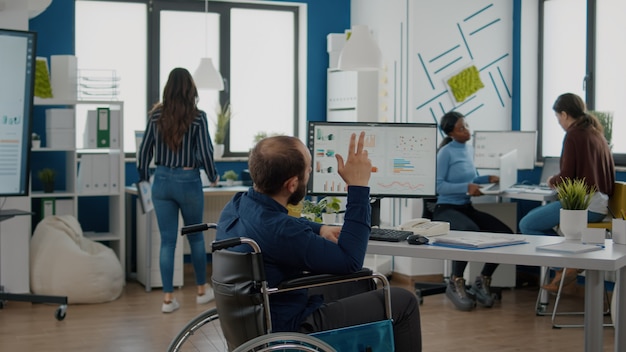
134,322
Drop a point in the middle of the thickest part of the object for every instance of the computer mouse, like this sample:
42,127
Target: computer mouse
417,239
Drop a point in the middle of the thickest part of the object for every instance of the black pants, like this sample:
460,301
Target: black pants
370,307
466,218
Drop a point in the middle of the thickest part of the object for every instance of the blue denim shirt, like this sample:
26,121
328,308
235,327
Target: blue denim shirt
291,246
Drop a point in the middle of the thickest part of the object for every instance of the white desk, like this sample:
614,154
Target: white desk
148,237
612,258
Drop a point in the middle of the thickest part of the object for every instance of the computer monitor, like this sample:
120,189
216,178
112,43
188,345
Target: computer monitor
403,155
490,145
17,69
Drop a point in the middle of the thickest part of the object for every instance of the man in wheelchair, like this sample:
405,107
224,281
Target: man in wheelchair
280,168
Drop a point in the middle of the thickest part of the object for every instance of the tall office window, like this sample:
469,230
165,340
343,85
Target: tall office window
112,36
262,75
199,37
564,63
610,69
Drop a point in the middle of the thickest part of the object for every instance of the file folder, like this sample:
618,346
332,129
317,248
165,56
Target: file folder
104,128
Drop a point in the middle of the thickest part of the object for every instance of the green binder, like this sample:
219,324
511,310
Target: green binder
104,128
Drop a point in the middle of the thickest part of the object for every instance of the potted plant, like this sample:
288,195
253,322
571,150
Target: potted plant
223,115
332,206
230,176
575,196
46,176
35,141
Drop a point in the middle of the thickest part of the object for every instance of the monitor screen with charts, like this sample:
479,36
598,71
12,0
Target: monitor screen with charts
403,155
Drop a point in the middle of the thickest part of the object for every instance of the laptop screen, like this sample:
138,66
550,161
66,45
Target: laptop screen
551,167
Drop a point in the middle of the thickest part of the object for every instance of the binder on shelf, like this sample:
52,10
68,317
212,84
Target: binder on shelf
114,169
144,192
90,135
84,181
103,131
114,129
100,173
63,207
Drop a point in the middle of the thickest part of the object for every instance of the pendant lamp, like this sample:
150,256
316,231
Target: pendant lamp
360,52
206,76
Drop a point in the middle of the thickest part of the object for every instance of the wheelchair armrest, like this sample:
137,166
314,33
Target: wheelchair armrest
322,279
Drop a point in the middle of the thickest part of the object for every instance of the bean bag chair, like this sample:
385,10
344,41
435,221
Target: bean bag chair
64,263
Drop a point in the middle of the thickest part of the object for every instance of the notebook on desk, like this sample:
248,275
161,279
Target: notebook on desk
508,174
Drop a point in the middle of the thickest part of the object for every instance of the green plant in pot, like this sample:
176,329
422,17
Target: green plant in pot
314,211
46,176
230,176
575,196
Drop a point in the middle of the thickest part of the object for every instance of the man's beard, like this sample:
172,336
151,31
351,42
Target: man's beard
298,195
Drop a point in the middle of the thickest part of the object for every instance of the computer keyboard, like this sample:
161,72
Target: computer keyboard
389,235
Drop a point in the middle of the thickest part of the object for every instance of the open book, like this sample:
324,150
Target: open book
478,240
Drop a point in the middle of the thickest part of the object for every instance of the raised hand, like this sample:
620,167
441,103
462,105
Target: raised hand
358,167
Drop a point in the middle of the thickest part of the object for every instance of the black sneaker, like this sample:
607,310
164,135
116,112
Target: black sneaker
481,290
456,293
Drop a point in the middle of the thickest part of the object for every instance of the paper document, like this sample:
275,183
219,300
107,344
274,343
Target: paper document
144,191
571,247
478,240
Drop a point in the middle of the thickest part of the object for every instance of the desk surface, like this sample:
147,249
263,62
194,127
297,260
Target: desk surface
216,191
612,257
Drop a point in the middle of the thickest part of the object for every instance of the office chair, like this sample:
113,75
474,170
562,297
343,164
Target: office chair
242,295
617,204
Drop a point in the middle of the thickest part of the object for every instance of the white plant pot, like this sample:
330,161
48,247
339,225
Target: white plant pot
36,144
230,183
329,218
572,223
218,151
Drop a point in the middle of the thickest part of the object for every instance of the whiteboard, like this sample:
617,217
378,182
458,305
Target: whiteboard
490,145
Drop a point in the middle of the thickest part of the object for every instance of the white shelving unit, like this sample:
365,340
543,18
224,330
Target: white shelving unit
352,96
68,196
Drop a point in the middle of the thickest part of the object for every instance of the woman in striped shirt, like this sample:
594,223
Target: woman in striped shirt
177,136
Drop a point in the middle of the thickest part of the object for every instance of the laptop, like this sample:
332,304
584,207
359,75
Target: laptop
508,174
551,167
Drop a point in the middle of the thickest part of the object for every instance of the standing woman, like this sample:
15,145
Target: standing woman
178,136
585,154
457,181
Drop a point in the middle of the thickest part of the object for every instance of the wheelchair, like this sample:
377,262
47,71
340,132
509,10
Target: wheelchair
241,320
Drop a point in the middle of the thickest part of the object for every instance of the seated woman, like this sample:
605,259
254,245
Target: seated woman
457,181
585,154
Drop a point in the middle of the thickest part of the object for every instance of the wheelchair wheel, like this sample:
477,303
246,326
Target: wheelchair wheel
285,341
202,333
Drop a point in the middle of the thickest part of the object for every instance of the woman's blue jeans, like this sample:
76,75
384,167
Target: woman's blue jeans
175,190
543,219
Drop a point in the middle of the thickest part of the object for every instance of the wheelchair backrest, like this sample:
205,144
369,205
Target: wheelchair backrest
237,280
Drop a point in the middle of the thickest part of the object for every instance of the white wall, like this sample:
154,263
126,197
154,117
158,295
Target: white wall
423,43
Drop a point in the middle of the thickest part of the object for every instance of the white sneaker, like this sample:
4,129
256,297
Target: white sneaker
170,307
207,297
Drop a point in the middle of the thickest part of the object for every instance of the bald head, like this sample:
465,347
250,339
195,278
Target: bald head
276,159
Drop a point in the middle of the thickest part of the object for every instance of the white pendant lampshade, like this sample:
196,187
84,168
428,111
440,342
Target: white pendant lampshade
207,77
360,53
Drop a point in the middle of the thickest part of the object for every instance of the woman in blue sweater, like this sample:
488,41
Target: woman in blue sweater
457,181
